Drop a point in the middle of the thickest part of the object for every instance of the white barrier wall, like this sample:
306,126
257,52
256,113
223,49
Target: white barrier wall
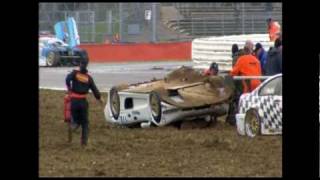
218,49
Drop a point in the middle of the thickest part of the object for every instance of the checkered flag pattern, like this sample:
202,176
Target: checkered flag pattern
269,110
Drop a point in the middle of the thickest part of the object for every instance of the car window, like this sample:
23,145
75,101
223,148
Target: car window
273,87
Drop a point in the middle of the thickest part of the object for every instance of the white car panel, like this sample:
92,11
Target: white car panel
268,104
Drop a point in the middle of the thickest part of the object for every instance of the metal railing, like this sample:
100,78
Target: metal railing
98,22
250,77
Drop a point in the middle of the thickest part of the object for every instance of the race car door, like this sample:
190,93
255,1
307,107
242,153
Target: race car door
270,108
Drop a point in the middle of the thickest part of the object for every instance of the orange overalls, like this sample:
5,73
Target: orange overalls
247,65
274,31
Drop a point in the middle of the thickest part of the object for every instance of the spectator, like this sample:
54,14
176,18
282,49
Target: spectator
249,44
274,59
234,49
274,29
107,39
212,71
234,55
116,38
261,54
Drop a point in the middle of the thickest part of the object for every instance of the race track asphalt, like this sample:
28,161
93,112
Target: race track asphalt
107,75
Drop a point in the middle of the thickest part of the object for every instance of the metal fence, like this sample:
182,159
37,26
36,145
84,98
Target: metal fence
158,22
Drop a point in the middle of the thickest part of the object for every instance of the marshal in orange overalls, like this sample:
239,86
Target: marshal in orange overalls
247,65
274,31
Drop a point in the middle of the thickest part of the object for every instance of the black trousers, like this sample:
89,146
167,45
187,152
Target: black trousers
233,106
79,112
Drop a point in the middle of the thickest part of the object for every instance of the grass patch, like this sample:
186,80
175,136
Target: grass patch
166,151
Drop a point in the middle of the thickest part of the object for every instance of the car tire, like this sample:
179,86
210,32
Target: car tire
155,106
114,101
252,123
53,59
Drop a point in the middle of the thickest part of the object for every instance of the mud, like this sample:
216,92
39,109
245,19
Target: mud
211,151
195,89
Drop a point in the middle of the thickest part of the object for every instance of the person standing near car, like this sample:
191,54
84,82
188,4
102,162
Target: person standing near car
249,45
274,29
247,65
274,59
78,83
234,53
212,71
261,54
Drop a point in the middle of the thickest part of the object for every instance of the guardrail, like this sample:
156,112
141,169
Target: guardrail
217,49
250,77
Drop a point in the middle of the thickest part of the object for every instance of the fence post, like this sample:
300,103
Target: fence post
93,31
65,15
252,24
109,21
205,26
192,26
243,18
222,24
120,22
178,29
154,22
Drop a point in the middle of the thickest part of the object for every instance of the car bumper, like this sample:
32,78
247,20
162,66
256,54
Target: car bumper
240,124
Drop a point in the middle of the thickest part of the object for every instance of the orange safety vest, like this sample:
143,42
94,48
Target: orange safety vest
274,31
247,65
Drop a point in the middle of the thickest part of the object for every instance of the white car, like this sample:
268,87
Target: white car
182,95
54,52
260,112
48,45
61,49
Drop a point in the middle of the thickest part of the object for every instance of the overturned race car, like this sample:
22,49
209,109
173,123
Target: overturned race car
183,95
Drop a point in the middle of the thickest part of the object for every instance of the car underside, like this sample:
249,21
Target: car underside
183,95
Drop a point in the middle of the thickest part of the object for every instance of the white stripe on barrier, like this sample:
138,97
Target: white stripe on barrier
218,49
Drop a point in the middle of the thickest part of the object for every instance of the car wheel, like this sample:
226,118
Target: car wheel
52,59
155,106
252,123
114,102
